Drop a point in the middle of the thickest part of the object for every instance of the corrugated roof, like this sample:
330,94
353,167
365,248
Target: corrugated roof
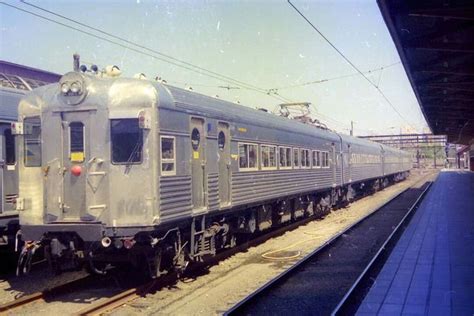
435,41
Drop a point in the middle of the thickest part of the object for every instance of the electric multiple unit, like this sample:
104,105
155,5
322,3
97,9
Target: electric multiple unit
15,81
9,99
126,171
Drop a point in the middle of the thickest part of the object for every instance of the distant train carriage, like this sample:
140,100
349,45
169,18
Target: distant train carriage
117,171
15,81
9,99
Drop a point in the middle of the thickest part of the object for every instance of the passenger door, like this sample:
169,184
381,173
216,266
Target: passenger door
75,129
349,164
223,152
198,165
10,171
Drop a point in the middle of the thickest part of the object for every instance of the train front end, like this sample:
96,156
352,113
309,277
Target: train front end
86,169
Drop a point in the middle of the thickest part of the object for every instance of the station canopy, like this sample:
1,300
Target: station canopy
435,41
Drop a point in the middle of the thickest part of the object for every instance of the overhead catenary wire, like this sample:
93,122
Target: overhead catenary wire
161,56
152,55
348,61
140,46
336,78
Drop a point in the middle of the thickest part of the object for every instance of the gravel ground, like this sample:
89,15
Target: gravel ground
39,279
67,303
232,279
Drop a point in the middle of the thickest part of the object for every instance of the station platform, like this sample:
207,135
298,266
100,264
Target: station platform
431,269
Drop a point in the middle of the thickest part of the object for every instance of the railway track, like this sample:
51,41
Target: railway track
45,295
104,305
130,295
330,279
116,301
107,304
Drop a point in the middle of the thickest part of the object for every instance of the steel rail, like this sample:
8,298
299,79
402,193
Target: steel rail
106,305
285,273
57,290
115,301
377,256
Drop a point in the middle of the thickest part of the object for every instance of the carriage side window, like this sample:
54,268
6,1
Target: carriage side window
10,153
268,157
168,156
296,157
285,158
316,159
325,159
248,156
32,141
305,159
127,141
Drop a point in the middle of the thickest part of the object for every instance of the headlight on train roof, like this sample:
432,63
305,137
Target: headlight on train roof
72,88
65,88
76,87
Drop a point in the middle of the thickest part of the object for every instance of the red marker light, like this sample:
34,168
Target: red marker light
128,243
76,171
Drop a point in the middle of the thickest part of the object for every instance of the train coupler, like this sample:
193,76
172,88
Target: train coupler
26,257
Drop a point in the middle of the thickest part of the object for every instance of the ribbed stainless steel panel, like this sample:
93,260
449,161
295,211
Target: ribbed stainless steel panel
260,185
365,171
391,168
213,191
175,197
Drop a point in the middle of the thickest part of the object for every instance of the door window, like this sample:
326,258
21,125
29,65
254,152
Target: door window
221,140
76,137
10,158
32,141
195,139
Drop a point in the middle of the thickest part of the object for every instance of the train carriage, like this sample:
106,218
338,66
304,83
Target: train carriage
15,81
9,99
125,170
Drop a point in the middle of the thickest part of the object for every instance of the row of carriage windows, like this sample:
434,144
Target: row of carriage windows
127,143
283,157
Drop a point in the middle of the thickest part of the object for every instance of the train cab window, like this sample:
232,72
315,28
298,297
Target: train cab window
127,141
285,158
316,159
10,153
268,157
168,156
32,141
76,146
305,160
296,157
248,157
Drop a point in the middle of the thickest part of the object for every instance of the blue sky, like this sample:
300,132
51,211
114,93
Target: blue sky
262,43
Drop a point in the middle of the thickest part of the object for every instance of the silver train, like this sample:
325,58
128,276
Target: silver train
9,99
126,171
15,81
